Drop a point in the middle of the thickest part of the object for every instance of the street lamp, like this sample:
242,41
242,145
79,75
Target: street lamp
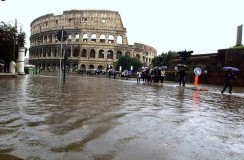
15,24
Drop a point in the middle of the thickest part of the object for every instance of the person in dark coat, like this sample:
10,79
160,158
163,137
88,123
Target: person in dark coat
182,78
229,77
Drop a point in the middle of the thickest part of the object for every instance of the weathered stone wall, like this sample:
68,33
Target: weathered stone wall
213,65
96,39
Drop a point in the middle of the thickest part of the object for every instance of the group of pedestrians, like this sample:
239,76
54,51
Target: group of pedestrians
157,74
151,75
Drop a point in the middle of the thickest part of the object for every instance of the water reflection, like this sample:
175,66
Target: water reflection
98,118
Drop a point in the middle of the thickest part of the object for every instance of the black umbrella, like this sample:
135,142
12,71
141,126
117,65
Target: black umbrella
180,65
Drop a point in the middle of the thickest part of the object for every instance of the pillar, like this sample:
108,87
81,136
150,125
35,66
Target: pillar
21,58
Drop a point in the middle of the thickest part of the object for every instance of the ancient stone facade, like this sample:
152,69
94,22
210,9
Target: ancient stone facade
96,40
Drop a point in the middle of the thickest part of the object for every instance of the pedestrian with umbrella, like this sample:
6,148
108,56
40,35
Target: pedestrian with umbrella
182,74
229,77
162,68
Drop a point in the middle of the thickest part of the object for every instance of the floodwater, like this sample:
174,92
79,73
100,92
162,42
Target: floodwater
96,118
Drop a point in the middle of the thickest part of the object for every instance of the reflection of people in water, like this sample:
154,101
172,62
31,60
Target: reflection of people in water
182,78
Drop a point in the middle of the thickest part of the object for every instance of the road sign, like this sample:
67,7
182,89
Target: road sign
197,71
59,35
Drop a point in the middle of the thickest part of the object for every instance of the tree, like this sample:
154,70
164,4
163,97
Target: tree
126,62
185,55
10,41
163,59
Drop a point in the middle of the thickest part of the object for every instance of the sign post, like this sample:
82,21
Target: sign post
197,72
61,36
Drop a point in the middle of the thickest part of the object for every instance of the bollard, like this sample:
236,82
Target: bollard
12,66
21,57
196,80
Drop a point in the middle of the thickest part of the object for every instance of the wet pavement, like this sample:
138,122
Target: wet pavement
96,118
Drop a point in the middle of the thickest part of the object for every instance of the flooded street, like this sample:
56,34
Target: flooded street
96,118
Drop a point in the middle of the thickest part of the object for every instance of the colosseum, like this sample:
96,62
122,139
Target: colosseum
96,39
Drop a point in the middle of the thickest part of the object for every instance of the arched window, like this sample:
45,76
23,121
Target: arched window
55,52
119,40
93,37
127,53
102,38
76,52
91,66
49,52
50,38
83,54
53,66
118,54
138,56
92,53
44,52
68,52
110,54
110,39
101,54
77,37
84,38
100,67
69,37
45,39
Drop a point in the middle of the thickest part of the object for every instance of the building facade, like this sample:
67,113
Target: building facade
96,40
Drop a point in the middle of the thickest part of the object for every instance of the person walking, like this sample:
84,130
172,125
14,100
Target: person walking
162,75
229,77
138,78
182,79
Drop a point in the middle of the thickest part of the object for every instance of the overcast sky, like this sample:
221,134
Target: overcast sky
203,26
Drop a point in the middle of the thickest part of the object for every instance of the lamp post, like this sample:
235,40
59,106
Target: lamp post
15,24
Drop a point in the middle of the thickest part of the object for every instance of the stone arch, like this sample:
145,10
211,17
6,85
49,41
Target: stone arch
101,54
127,53
92,53
44,52
100,67
83,53
53,66
118,54
77,37
102,38
48,52
110,39
48,66
45,39
76,52
69,37
84,37
68,52
119,40
110,54
93,37
91,66
49,38
83,66
138,56
41,39
55,52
